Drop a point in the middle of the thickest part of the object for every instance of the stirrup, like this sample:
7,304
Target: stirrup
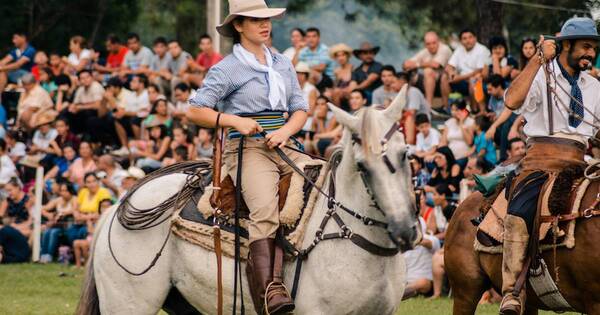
265,303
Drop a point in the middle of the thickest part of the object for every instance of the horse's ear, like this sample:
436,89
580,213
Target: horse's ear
344,118
394,111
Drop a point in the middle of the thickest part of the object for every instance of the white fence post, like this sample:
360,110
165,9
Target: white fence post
37,213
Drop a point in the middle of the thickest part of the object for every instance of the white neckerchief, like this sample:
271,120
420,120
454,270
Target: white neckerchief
277,95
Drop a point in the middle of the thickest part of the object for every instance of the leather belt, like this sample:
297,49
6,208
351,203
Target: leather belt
559,141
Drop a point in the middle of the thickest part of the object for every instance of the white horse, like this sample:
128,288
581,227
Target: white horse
338,277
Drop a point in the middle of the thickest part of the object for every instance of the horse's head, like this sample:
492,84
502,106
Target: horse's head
380,155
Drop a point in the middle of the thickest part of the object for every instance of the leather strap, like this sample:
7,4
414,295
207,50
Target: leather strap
549,101
218,253
278,265
559,141
215,197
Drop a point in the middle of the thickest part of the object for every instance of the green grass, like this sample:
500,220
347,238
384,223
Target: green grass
54,289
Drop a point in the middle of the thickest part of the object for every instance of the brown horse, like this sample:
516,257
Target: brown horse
472,273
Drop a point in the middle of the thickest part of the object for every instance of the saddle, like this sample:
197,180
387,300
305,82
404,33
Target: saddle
560,197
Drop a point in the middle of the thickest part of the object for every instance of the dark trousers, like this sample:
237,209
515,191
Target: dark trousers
15,247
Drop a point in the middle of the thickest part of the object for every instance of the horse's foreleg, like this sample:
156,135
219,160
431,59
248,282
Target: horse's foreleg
592,308
467,297
530,310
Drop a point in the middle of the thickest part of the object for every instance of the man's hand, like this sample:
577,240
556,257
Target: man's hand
490,133
247,126
548,47
277,138
73,109
119,113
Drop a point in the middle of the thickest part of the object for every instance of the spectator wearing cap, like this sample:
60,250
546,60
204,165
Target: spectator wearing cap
44,147
367,76
32,103
133,175
341,53
18,62
315,54
430,61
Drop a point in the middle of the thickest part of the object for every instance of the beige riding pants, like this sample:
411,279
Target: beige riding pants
261,170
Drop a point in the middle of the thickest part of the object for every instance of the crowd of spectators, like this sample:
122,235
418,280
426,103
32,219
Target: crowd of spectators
97,120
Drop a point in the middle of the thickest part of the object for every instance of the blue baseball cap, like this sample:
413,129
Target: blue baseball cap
578,28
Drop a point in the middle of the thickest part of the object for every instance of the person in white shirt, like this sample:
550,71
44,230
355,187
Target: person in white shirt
431,60
419,275
7,167
80,57
466,65
428,139
134,108
297,39
557,133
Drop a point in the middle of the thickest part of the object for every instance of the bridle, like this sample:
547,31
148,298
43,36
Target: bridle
384,144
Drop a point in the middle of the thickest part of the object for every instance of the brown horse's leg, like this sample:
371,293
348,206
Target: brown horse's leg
530,310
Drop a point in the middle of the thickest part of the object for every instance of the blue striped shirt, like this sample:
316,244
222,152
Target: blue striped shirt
242,90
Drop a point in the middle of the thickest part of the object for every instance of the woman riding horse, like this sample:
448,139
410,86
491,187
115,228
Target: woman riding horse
255,87
557,135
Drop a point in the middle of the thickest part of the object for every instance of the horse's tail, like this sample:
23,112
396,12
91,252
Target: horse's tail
89,303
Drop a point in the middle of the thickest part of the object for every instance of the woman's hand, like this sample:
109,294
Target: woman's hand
277,138
247,126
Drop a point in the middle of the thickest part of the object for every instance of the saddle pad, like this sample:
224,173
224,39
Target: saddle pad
194,222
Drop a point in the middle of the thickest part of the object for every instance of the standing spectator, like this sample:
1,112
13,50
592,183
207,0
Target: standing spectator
80,58
342,74
59,212
526,52
83,164
138,58
207,57
431,60
86,104
502,63
366,77
444,209
384,94
204,144
297,40
114,60
428,138
458,132
32,103
465,66
88,205
18,62
315,54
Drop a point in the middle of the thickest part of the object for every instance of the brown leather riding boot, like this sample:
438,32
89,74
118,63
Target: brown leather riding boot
264,270
516,238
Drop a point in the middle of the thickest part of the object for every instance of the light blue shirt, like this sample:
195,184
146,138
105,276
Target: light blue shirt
317,57
239,89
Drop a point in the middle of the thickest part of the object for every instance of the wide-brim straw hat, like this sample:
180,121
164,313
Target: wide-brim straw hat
365,47
47,117
249,8
339,48
578,28
302,67
135,172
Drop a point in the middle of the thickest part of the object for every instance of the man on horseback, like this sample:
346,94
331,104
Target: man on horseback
560,102
255,87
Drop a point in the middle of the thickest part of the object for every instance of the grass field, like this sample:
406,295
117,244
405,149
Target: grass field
54,289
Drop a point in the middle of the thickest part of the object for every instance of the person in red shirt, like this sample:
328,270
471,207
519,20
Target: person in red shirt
116,54
208,57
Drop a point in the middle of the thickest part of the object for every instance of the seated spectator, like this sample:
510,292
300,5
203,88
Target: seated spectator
82,165
502,63
32,103
342,74
419,276
110,173
80,58
444,209
203,144
56,65
366,76
18,62
14,143
40,61
428,138
16,208
158,72
415,100
358,100
446,171
14,247
526,51
182,94
47,83
155,148
179,154
458,132
116,55
321,123
64,135
182,137
59,212
465,66
207,57
431,60
297,40
483,147
516,149
504,118
134,174
62,163
7,167
315,54
159,113
134,107
81,247
420,173
86,104
385,94
44,147
137,59
88,207
476,165
308,89
177,64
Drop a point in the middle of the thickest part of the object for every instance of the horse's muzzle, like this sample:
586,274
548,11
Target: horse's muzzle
406,235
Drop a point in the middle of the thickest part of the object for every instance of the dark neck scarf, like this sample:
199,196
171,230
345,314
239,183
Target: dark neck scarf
577,111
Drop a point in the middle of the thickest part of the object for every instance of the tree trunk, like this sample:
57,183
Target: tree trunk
489,19
101,12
